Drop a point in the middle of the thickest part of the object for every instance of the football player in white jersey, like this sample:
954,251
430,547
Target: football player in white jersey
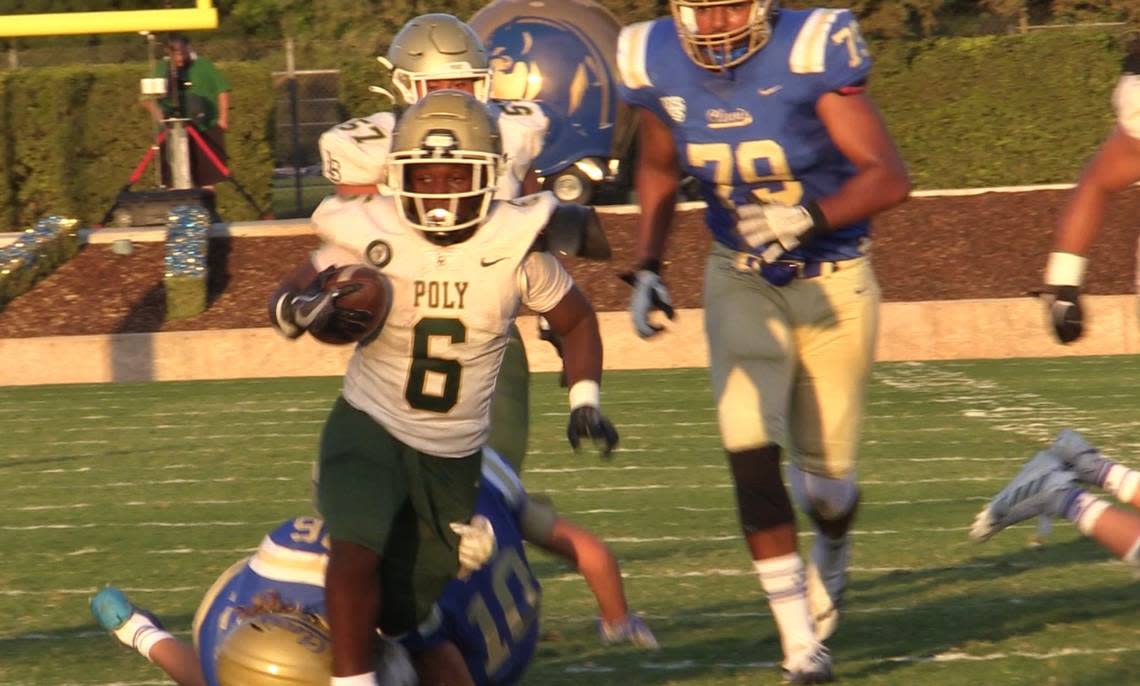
400,452
436,52
1114,167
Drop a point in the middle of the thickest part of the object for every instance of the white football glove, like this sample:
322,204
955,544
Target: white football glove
649,293
779,227
477,544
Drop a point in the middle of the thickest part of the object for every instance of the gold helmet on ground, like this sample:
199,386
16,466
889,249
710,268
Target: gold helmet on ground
437,46
276,650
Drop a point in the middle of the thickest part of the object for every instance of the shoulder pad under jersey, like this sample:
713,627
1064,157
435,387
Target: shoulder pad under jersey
633,55
573,231
356,151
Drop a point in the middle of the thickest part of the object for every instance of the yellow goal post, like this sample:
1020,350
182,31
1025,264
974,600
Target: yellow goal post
200,17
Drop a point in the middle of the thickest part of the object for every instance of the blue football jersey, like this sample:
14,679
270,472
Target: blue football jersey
492,616
751,133
290,561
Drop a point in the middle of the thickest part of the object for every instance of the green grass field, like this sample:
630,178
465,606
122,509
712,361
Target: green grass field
158,487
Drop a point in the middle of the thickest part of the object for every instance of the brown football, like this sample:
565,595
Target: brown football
374,297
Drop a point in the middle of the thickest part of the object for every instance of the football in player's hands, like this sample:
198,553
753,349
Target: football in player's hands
361,298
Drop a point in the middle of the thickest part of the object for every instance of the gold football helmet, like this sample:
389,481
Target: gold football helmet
446,127
436,46
723,49
276,650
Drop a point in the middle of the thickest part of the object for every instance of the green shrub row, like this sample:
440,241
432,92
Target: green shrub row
998,110
35,254
73,135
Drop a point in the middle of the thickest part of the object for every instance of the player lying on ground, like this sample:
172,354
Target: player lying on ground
494,632
1050,484
1114,167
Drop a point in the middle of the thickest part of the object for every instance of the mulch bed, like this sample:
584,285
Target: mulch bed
986,246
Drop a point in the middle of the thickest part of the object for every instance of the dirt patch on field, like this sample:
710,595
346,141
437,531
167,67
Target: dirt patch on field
987,246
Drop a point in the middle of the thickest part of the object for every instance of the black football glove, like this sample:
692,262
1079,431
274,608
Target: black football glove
314,308
587,421
1065,312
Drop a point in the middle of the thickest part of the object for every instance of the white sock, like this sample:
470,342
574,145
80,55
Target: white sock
782,579
141,634
368,679
1084,511
1122,482
1132,557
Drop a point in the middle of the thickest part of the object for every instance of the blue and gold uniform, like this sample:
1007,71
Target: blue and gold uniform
750,133
491,617
790,300
290,562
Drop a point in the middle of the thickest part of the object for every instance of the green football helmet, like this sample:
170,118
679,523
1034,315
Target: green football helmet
723,49
276,650
446,127
437,46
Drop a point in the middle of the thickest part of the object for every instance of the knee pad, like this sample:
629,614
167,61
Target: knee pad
761,497
821,497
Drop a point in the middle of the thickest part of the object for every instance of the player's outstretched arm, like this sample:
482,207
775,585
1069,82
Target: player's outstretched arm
597,564
657,178
573,319
880,181
138,629
1114,167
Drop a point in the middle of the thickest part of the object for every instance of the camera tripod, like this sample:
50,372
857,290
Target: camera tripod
178,134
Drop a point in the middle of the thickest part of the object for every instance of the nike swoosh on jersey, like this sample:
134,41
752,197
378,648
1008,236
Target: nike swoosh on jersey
770,90
487,263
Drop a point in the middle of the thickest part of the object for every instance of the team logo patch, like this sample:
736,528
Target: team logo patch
674,106
379,253
727,119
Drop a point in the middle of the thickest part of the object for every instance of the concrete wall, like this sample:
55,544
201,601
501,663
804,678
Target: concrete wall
965,329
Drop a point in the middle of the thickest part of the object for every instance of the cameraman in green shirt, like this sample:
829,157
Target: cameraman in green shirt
197,91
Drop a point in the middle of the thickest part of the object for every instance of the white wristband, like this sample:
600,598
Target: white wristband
585,393
1065,269
368,679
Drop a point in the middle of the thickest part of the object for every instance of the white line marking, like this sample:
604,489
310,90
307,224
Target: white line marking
171,525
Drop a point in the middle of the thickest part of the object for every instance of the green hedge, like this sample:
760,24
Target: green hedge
74,134
997,110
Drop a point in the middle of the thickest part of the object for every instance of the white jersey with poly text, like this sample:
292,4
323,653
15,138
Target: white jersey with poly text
356,152
429,376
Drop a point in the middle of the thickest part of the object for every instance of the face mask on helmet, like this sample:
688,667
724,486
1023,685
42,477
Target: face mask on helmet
719,48
444,165
437,47
276,650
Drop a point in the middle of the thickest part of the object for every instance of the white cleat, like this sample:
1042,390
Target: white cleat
813,666
1039,488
